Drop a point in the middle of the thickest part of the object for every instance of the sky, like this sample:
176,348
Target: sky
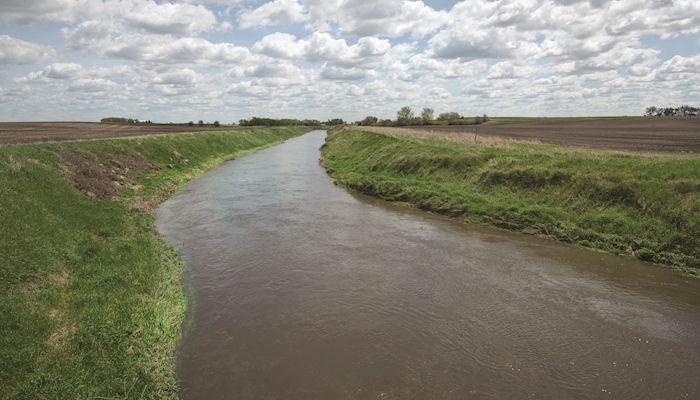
175,61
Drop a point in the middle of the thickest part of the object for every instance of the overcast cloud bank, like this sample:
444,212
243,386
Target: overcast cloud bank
226,60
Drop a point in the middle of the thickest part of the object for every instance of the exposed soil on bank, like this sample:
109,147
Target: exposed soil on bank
103,177
32,132
639,134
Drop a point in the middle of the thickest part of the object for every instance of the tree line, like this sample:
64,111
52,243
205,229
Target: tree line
405,116
215,124
121,120
258,121
254,121
682,111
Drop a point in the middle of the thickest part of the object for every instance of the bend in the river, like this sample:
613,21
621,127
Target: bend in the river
301,290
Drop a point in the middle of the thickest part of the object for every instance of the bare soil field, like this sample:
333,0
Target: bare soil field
639,134
31,132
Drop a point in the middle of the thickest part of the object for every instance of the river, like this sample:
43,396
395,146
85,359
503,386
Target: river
301,290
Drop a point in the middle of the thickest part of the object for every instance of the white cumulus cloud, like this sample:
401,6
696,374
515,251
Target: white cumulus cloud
275,12
16,51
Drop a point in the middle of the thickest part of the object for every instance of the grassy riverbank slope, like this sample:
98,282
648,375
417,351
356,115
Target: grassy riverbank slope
90,298
645,205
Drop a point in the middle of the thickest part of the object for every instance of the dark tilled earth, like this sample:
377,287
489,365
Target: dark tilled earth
31,132
641,134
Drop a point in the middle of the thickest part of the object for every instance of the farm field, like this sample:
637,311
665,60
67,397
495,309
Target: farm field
621,133
32,132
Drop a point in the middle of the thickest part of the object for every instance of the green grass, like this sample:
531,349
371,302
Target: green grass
90,297
646,205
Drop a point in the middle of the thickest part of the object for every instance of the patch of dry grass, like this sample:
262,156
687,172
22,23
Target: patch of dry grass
461,137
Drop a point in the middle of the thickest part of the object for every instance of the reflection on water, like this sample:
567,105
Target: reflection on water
301,290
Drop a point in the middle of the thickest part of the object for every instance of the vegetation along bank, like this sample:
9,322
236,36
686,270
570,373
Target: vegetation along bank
90,298
642,204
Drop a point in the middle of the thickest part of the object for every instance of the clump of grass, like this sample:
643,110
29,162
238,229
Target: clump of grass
90,297
644,205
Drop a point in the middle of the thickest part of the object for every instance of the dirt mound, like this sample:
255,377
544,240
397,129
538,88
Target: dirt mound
102,178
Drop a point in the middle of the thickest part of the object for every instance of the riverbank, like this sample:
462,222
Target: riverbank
90,297
645,205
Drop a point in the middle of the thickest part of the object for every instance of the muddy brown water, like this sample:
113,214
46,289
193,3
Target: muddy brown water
301,290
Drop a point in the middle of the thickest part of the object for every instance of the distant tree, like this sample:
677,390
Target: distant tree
190,123
113,120
688,111
217,124
404,115
682,111
486,118
119,120
369,120
449,116
200,123
259,121
335,121
427,115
